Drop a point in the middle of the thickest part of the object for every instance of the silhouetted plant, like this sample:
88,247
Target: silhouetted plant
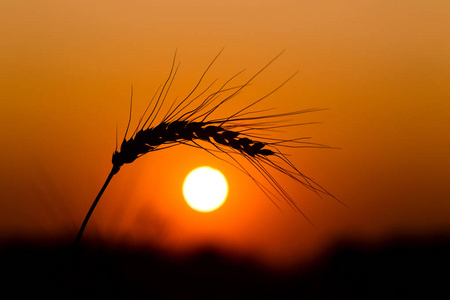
189,122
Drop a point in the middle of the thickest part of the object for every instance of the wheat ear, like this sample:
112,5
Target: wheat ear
190,122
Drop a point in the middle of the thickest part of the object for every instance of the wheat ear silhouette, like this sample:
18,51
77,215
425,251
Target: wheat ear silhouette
189,122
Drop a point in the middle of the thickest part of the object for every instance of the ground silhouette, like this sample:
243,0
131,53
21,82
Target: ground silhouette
397,269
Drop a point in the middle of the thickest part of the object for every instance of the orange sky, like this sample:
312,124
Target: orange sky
382,69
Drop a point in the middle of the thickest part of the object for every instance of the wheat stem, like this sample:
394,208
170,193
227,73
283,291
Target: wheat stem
114,170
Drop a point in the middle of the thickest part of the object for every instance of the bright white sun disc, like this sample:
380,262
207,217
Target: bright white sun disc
205,189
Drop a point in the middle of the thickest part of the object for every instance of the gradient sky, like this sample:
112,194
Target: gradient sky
382,68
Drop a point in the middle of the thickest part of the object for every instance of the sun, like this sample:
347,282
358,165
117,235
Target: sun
205,189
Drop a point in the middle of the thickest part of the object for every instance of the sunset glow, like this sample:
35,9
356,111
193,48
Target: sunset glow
378,69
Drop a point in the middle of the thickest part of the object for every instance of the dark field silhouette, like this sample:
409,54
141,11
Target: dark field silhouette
397,269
